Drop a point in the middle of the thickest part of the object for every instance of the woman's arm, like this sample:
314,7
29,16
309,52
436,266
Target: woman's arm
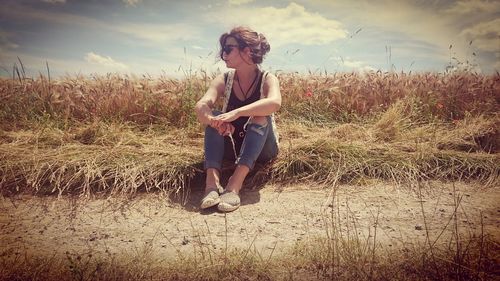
263,107
206,104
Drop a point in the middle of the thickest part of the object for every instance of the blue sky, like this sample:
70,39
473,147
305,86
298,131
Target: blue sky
170,37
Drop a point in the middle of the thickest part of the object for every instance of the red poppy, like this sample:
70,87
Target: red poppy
308,92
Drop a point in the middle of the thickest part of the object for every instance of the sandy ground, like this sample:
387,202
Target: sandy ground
270,220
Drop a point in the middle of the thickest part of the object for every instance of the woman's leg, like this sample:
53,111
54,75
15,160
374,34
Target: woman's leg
214,153
216,149
258,144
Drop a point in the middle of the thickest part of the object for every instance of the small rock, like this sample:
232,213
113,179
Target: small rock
418,227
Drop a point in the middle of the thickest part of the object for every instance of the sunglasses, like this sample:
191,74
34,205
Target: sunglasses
228,48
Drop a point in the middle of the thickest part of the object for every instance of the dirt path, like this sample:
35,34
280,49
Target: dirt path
268,221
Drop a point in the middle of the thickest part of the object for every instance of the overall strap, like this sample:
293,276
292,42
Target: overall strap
264,75
227,89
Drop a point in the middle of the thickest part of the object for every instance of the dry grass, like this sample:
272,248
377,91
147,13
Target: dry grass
97,158
142,100
396,146
305,262
110,158
119,134
336,97
329,161
347,97
122,134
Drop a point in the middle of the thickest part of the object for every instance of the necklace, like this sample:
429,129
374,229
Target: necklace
245,94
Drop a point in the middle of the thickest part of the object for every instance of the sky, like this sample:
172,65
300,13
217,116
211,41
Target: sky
179,38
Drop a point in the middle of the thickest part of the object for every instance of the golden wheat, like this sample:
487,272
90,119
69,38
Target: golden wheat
124,133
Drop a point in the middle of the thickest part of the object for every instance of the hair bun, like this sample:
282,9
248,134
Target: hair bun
264,45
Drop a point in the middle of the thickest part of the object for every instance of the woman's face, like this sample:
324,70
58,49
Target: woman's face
231,53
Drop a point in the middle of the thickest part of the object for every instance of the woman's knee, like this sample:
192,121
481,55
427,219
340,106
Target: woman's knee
259,124
209,131
259,120
211,134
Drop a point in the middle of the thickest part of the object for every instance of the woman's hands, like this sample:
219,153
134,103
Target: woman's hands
222,122
223,128
228,116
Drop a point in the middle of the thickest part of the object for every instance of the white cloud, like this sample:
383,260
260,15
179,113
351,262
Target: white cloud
497,64
434,23
485,35
239,2
36,65
5,43
352,63
394,21
131,2
472,7
158,32
26,13
104,61
356,65
281,26
54,1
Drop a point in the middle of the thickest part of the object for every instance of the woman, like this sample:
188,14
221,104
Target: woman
244,130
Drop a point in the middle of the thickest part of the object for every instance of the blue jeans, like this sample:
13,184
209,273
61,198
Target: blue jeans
259,145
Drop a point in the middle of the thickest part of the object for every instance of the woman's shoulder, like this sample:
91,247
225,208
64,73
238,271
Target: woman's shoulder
270,83
218,83
269,78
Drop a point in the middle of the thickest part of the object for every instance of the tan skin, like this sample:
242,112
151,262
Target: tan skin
246,70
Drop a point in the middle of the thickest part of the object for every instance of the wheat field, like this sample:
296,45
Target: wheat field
112,135
122,134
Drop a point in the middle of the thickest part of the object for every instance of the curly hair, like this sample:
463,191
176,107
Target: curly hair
246,37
